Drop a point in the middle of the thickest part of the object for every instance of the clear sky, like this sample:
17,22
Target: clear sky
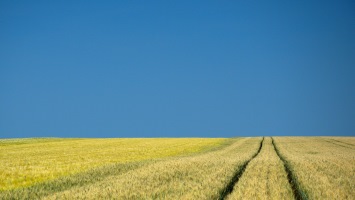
177,68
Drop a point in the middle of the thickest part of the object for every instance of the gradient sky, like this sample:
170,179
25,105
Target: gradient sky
176,68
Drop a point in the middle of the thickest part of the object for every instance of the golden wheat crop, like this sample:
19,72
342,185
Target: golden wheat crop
264,177
25,162
282,168
324,169
195,177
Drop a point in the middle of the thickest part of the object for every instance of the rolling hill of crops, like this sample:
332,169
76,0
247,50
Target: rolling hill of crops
178,168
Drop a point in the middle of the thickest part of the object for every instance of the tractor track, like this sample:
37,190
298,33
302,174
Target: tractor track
297,191
229,188
342,144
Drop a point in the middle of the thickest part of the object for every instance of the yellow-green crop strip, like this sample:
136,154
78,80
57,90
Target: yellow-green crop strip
25,162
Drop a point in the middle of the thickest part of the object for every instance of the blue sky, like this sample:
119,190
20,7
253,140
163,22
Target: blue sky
176,68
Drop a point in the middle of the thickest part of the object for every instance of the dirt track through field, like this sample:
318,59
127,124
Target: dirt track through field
297,192
229,188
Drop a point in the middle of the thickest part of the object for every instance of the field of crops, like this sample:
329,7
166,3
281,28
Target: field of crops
324,168
186,168
28,161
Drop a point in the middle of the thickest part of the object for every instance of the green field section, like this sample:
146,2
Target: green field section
323,167
25,162
264,177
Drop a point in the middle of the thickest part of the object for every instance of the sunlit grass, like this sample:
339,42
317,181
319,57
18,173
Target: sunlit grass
25,162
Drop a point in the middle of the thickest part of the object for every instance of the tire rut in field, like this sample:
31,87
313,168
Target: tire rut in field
229,188
297,191
341,143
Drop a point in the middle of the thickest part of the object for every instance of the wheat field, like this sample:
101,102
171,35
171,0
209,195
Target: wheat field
178,168
324,167
29,161
202,176
266,173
